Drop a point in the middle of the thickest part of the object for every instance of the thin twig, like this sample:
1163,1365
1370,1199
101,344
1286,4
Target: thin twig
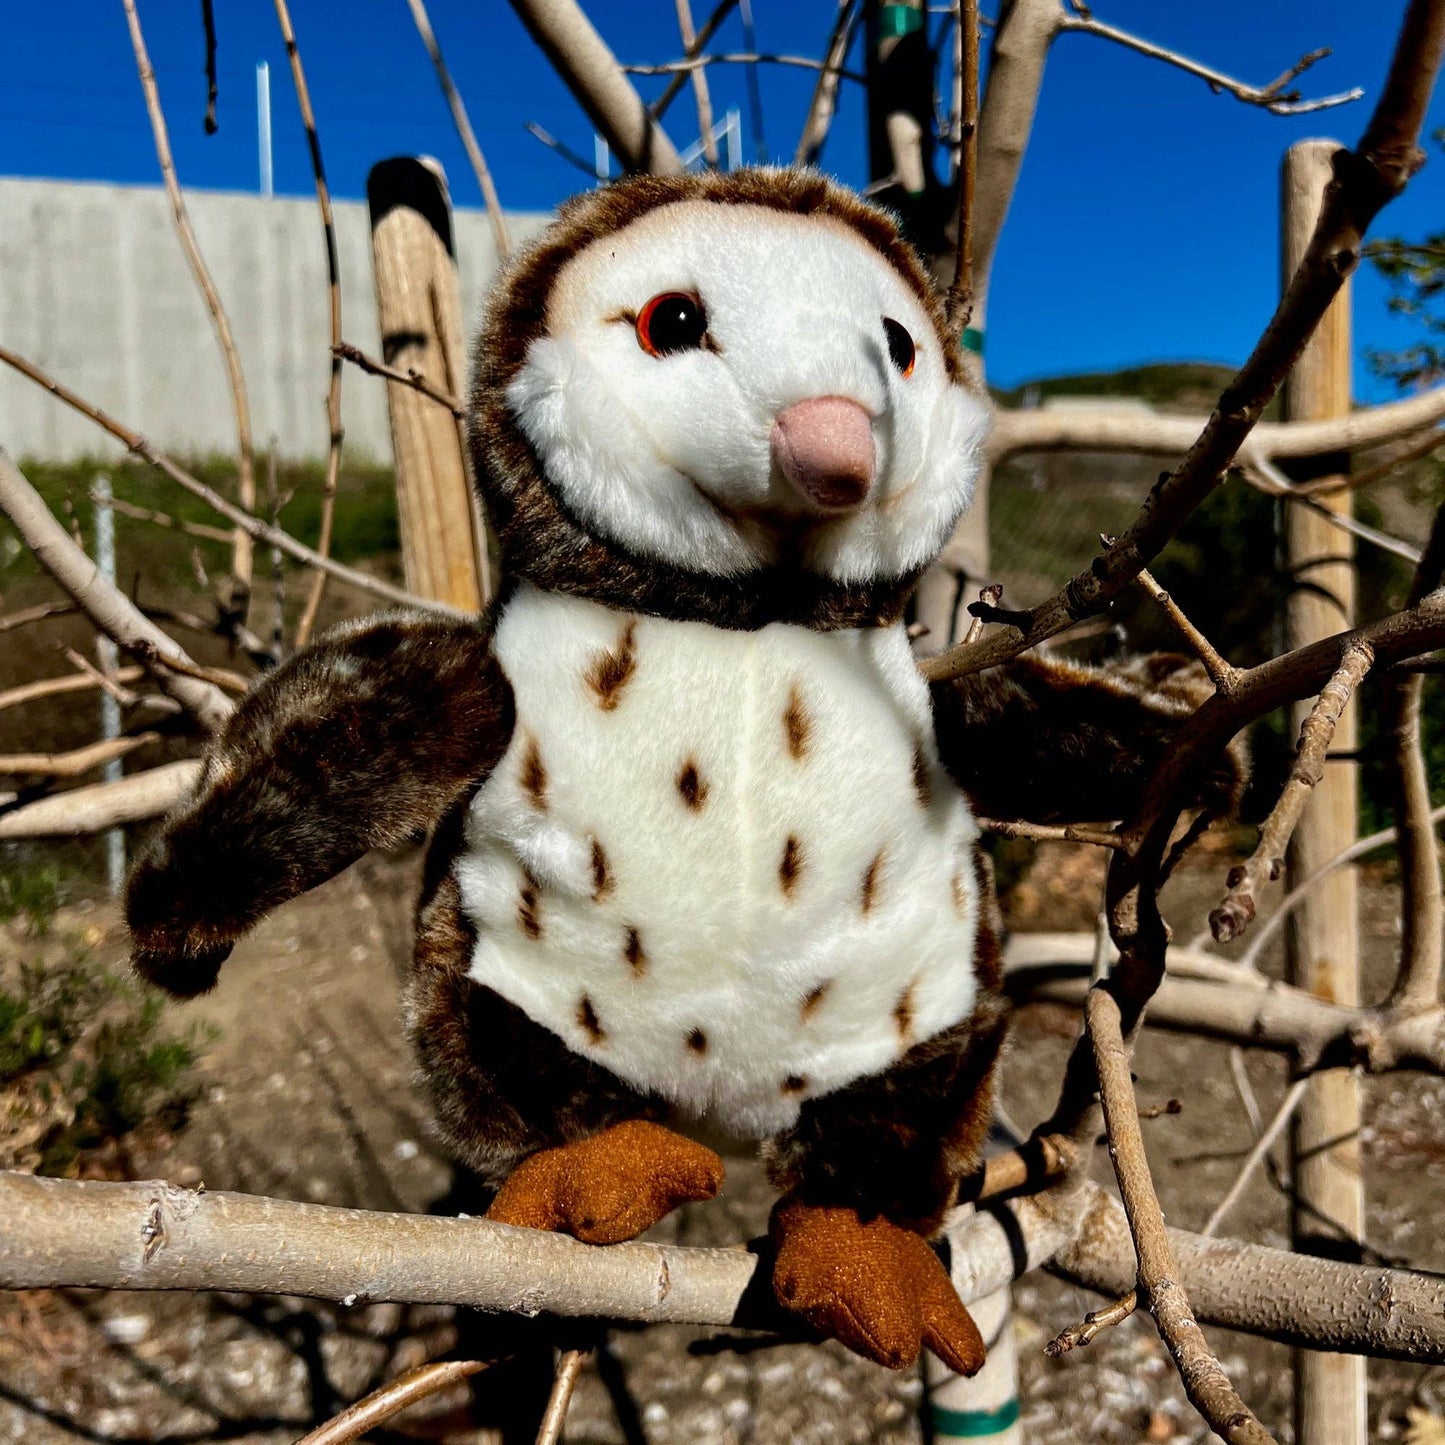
1422,910
1272,97
1221,673
1387,155
1236,911
208,23
569,1370
673,88
1276,920
60,686
259,530
464,130
391,1399
411,377
989,598
1093,1324
164,519
1204,1380
824,104
333,273
245,462
1262,1146
39,613
1416,450
107,683
701,93
1052,832
699,62
958,305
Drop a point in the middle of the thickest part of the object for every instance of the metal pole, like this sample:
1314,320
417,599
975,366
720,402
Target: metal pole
108,657
263,124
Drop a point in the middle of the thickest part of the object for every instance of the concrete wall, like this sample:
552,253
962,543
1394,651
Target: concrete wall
95,289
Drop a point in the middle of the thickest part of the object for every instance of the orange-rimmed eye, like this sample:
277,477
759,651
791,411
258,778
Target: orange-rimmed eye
672,322
900,346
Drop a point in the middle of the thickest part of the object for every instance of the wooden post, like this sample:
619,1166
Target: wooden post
443,540
1323,937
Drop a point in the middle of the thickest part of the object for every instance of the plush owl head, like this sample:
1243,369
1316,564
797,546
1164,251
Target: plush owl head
725,397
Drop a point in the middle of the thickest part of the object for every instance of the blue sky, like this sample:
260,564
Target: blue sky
1144,227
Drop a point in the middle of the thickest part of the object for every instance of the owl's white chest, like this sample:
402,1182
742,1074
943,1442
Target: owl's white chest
725,865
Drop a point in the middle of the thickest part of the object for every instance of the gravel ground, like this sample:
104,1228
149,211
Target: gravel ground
308,1094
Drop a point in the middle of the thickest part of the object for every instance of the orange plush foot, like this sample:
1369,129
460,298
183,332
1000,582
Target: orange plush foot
610,1187
876,1287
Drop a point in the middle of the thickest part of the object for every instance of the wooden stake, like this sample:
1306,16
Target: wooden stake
1323,937
443,541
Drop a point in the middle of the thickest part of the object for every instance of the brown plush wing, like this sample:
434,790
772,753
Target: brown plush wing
1057,742
360,741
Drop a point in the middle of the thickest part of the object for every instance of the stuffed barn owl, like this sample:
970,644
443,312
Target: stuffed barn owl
703,855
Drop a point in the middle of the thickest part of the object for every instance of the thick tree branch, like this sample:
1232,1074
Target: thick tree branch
581,57
58,1233
110,610
1365,179
100,806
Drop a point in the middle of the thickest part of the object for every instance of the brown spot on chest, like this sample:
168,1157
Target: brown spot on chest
922,778
634,953
812,1001
797,726
697,1041
533,777
588,1021
601,873
692,787
870,881
529,916
612,669
794,1084
903,1011
790,866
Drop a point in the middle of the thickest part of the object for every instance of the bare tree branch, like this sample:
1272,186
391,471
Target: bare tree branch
109,609
1205,1382
1365,179
464,130
1052,832
75,763
1272,97
824,104
697,63
333,273
581,57
100,806
241,563
391,1399
57,1233
258,530
208,24
700,90
958,304
411,377
1236,912
658,108
1044,430
1221,673
1262,1146
569,1370
58,686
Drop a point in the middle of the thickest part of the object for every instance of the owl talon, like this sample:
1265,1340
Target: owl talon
876,1287
610,1187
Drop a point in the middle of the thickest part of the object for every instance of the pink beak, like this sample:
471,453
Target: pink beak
824,447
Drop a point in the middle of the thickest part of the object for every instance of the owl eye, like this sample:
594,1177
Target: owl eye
900,345
672,322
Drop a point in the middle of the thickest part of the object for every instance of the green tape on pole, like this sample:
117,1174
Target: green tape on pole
894,20
973,340
973,1424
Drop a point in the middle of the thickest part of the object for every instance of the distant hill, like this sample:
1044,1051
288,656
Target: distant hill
1182,386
